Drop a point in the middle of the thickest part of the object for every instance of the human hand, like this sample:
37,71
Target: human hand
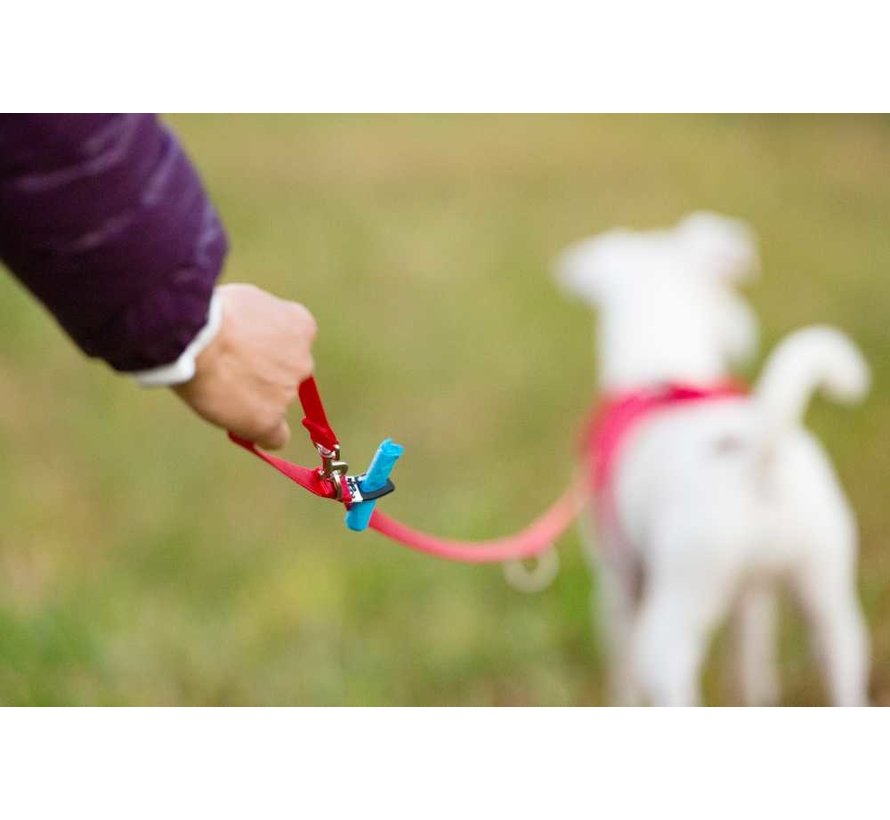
248,375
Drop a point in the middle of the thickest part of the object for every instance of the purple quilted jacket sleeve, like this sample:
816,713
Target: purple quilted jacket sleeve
104,219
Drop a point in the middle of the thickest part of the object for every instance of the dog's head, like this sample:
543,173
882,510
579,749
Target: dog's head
668,298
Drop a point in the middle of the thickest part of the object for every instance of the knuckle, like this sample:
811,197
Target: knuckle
301,317
295,311
305,366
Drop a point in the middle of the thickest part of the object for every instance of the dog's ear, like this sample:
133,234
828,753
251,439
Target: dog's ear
592,268
724,247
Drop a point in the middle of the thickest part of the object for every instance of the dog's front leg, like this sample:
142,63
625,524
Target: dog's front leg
617,611
613,610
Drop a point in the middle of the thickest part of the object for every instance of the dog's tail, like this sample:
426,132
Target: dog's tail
814,358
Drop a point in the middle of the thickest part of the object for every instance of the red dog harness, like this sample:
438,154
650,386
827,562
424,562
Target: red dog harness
604,440
622,412
606,432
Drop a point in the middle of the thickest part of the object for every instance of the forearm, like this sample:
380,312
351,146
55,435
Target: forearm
105,220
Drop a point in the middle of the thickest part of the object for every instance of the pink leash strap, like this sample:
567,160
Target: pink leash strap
535,539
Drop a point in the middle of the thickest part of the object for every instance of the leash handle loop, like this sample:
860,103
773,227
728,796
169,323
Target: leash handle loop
307,478
326,481
315,419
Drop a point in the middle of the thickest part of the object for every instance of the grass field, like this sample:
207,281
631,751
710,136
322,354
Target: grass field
143,560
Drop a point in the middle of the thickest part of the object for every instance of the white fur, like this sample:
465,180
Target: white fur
717,501
667,310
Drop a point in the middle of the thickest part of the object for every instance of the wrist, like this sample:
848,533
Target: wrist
183,369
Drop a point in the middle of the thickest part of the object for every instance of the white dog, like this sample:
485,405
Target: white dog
715,502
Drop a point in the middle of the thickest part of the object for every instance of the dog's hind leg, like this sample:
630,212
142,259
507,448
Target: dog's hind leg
754,647
827,590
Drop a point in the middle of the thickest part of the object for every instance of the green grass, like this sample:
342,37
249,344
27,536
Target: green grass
143,560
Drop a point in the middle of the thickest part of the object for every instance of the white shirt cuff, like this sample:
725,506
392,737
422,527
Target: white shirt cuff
183,369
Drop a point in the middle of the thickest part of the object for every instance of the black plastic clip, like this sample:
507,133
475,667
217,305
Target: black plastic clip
357,494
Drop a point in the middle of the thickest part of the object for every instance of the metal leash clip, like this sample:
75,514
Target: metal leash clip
332,468
359,492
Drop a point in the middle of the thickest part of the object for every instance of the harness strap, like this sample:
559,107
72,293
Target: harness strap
620,413
603,442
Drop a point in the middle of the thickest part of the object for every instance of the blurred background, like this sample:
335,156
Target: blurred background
144,560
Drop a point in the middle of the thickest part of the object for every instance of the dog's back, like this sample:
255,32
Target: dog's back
738,461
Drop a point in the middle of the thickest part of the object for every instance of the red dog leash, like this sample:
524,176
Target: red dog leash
330,481
606,430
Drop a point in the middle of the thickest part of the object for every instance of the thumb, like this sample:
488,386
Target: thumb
276,438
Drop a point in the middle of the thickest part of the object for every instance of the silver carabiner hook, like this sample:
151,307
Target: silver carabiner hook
332,468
